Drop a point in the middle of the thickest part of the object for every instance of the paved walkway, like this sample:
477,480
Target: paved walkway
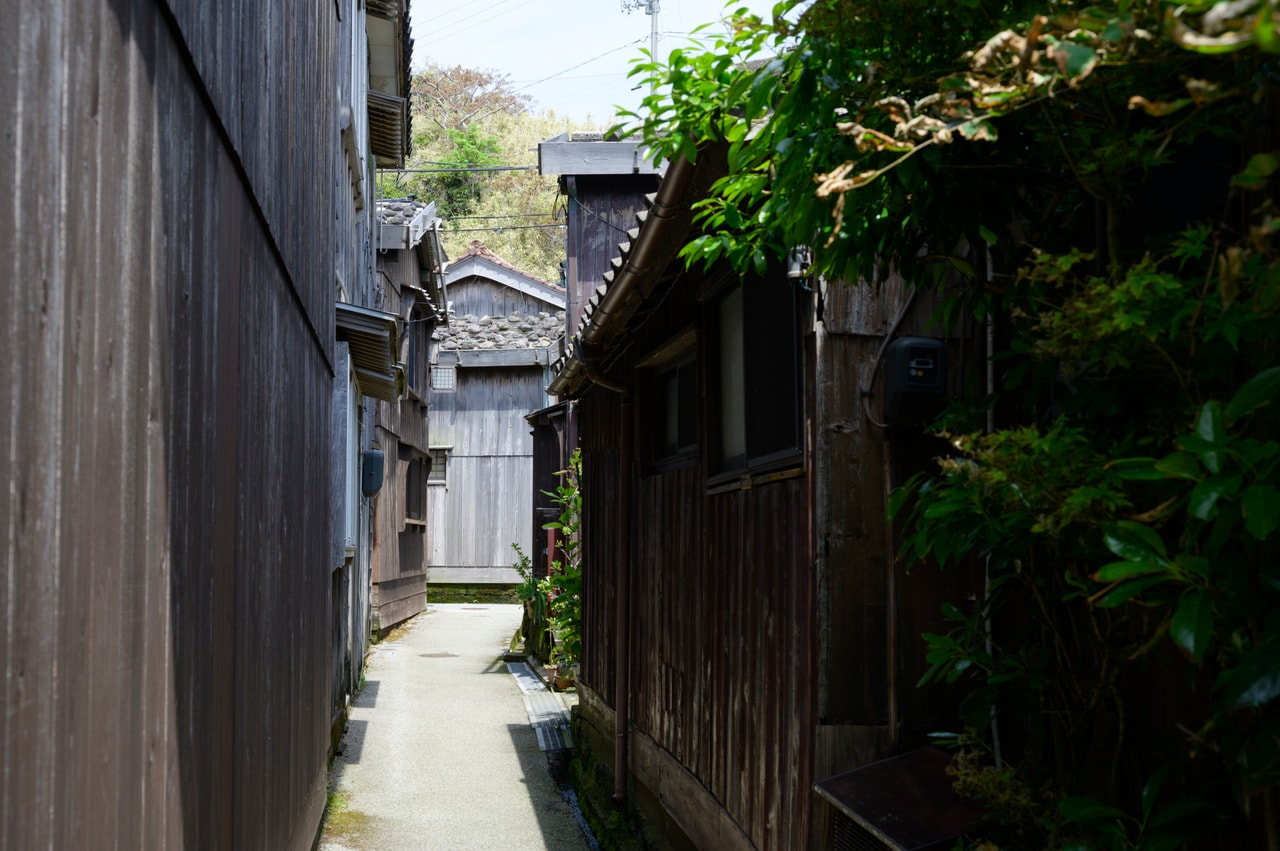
442,751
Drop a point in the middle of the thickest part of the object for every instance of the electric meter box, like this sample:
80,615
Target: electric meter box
915,380
371,472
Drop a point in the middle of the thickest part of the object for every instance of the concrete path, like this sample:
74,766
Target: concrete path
440,752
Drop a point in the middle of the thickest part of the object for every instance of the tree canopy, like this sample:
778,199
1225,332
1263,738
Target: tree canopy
1102,176
474,139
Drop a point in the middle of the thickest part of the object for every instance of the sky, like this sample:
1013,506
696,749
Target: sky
571,56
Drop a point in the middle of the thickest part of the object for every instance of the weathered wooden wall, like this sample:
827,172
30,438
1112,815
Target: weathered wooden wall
480,297
166,377
721,626
602,208
486,503
399,546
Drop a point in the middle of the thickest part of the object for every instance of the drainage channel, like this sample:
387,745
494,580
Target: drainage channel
549,718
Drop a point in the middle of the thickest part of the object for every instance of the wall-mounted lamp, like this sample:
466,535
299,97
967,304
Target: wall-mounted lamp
799,259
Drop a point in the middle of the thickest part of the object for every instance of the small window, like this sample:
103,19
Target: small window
438,466
443,377
671,410
754,376
415,488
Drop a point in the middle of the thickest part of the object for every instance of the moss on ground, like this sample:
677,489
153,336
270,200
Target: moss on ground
480,594
340,821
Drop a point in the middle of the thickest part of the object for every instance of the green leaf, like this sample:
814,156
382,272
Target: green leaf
1182,465
977,130
1204,496
1136,469
1261,507
1134,542
1254,393
1192,624
1075,61
1255,174
1206,451
1129,590
964,267
988,236
1255,681
1209,423
1117,570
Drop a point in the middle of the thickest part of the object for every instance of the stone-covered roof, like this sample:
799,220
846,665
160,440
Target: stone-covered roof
514,331
399,211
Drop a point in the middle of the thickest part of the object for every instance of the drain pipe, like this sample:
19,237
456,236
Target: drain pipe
622,587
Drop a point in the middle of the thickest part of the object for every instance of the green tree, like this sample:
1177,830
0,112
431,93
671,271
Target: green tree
470,126
1113,164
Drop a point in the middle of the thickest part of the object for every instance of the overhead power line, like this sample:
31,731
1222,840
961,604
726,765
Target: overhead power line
500,228
457,170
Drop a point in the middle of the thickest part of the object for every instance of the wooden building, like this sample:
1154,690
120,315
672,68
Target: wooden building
187,190
411,285
488,370
746,631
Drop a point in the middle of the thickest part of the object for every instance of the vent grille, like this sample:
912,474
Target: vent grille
851,836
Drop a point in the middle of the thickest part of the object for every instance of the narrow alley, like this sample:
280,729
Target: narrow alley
443,747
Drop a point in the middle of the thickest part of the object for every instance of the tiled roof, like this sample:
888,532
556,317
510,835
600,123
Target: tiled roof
601,290
661,229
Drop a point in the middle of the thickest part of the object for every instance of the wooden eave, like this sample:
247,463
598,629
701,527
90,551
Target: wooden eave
467,358
564,154
388,128
475,266
374,339
390,48
641,266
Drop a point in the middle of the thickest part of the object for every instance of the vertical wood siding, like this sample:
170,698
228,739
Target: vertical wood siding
722,616
481,297
166,385
486,504
604,211
399,559
719,645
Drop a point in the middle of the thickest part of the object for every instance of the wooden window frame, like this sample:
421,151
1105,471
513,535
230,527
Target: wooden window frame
438,474
772,391
444,369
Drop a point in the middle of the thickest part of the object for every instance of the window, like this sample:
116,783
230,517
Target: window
671,411
415,487
754,375
443,377
438,465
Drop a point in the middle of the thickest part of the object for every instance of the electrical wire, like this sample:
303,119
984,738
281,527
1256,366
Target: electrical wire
458,170
593,215
580,64
451,30
875,365
500,228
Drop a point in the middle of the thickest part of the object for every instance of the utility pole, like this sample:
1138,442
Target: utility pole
651,9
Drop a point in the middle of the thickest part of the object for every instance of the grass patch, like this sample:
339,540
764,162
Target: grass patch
340,821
